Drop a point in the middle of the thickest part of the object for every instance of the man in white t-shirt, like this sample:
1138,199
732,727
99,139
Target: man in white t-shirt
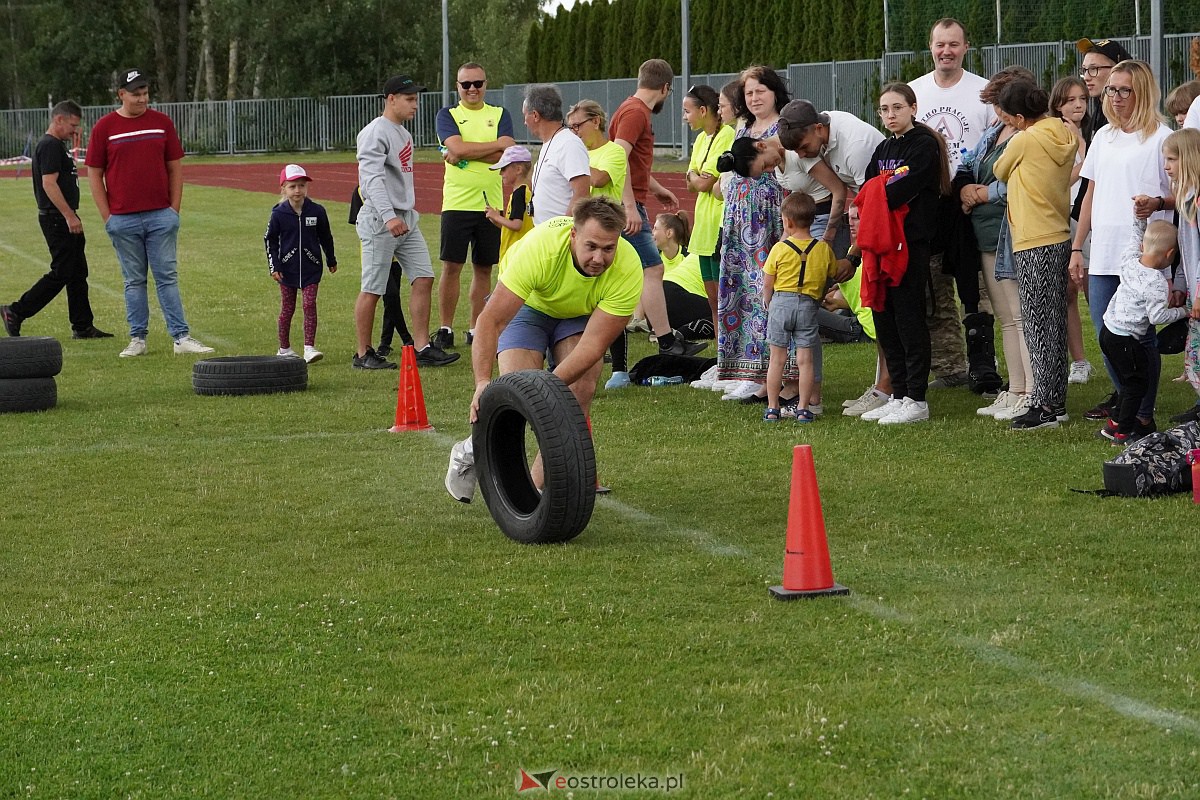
948,101
562,174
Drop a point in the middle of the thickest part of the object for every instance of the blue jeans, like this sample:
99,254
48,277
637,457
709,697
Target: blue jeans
145,242
1101,289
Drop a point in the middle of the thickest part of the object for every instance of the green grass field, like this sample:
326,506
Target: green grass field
273,597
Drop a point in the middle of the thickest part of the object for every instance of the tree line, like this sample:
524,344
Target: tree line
610,38
236,49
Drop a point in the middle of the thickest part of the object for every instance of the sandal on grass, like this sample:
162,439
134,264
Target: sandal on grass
771,415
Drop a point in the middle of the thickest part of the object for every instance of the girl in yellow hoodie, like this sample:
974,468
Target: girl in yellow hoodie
1036,165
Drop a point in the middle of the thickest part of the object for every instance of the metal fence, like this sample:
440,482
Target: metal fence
332,123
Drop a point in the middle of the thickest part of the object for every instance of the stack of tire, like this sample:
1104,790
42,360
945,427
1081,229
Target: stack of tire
28,365
242,375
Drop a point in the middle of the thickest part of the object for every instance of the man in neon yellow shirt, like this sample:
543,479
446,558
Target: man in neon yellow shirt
568,286
473,136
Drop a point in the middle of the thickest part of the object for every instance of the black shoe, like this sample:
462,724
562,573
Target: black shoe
1103,410
1191,415
12,323
755,400
1108,431
951,381
1036,419
434,356
682,347
91,333
383,351
470,338
442,338
371,360
1141,429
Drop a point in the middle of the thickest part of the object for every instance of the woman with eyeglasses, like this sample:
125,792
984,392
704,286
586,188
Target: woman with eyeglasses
1124,161
750,225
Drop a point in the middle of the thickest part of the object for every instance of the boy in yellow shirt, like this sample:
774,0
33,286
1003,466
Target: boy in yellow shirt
794,280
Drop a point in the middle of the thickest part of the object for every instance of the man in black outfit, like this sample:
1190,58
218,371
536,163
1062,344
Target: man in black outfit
56,187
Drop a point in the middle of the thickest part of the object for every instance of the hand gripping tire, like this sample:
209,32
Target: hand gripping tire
237,375
540,400
30,357
27,394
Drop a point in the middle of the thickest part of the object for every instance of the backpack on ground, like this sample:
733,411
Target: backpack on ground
1154,465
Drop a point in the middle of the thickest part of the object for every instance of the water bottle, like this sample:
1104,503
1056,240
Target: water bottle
659,380
461,164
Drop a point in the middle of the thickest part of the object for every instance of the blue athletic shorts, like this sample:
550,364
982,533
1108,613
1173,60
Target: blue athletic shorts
532,330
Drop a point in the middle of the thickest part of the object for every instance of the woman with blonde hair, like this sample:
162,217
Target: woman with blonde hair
1124,161
1181,154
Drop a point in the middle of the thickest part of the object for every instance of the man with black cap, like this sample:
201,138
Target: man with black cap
387,226
134,170
1099,57
56,188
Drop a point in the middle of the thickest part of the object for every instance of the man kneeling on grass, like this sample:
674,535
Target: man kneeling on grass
567,287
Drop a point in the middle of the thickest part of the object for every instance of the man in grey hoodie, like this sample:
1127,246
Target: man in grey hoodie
387,226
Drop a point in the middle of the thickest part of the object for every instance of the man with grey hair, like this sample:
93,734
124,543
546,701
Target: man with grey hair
56,189
562,174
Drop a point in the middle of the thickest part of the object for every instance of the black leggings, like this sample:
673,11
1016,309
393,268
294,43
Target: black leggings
901,329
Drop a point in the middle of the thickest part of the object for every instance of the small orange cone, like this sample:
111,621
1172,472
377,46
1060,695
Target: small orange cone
410,400
806,568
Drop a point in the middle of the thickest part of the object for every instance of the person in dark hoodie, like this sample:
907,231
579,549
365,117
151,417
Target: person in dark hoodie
911,164
296,234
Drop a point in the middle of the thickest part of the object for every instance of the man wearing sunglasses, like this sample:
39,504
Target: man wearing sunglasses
473,136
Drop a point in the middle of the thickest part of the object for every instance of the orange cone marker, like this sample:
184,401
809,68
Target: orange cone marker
410,400
806,568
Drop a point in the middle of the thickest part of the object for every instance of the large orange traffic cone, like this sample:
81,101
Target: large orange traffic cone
410,400
806,568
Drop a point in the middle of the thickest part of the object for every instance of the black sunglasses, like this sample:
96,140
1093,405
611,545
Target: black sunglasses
472,84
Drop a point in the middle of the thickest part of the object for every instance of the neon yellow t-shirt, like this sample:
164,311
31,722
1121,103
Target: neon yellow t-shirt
540,269
463,187
610,157
685,271
784,263
709,209
852,291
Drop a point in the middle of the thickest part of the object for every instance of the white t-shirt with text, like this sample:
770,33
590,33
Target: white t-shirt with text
955,112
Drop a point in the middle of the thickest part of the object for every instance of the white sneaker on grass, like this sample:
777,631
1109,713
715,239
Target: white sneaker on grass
460,477
723,386
1002,403
871,399
287,352
742,390
186,344
1018,405
312,354
707,378
1080,372
909,411
878,413
136,347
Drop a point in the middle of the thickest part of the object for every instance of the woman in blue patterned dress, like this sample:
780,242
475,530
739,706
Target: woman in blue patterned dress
750,227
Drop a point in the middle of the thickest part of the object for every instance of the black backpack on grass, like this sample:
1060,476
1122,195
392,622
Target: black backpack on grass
1154,465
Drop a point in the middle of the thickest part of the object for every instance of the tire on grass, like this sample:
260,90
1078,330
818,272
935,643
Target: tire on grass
241,375
30,357
27,394
539,401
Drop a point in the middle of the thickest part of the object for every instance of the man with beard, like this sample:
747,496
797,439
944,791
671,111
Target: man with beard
631,128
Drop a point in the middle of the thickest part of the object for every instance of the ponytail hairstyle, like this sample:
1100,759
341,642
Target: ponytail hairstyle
910,97
1185,145
739,157
679,224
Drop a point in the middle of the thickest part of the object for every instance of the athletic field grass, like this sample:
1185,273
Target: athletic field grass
271,597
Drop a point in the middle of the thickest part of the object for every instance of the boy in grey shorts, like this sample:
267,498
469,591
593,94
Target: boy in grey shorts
794,280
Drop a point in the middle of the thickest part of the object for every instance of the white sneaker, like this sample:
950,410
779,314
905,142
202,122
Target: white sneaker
136,347
187,344
742,390
879,412
287,352
909,411
707,378
871,399
870,391
816,409
1019,404
724,386
460,477
312,354
1080,372
636,324
1002,402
